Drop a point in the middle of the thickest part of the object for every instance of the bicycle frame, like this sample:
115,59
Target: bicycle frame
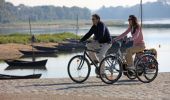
85,54
119,54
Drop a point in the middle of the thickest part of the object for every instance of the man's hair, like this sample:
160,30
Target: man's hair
96,16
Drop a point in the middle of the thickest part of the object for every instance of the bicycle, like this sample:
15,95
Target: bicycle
81,64
113,65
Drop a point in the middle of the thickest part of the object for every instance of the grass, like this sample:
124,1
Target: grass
25,38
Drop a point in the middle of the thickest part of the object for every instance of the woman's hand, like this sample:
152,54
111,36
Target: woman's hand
129,39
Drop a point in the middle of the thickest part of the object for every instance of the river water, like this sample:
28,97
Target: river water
56,67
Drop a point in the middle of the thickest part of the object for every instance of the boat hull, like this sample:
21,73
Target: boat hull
37,52
26,63
52,49
9,77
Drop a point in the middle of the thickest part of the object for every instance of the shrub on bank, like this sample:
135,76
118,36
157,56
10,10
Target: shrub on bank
25,38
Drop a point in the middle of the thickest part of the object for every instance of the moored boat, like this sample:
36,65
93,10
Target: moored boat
9,77
26,63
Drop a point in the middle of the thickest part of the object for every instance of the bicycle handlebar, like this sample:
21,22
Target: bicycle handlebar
86,42
123,41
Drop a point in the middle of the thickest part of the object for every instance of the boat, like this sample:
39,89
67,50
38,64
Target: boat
72,40
26,67
9,77
37,52
26,63
29,63
53,49
39,55
69,46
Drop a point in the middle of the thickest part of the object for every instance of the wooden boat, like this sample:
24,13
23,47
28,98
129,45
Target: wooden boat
26,67
72,40
9,77
26,63
37,52
53,49
69,46
33,53
39,55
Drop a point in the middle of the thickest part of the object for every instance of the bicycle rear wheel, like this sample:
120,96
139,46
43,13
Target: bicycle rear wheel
146,69
78,69
110,69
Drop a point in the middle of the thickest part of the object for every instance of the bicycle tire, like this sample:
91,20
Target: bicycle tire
84,61
119,73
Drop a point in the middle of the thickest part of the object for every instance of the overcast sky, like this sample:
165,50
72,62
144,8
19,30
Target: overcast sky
91,4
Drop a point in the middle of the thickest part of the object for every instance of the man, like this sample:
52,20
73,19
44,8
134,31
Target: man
101,40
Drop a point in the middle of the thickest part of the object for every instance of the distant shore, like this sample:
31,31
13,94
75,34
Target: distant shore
59,24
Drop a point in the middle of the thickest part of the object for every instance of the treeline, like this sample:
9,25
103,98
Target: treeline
151,10
10,13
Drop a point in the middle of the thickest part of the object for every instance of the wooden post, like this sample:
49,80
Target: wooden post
77,26
141,11
33,55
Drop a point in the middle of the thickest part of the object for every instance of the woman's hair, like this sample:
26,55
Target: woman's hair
134,21
96,16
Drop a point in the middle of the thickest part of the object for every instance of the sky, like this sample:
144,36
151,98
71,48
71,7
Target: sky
91,4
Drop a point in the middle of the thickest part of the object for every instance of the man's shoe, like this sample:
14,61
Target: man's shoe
124,69
97,76
102,75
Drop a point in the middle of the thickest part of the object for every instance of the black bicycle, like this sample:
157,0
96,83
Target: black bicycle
79,66
113,65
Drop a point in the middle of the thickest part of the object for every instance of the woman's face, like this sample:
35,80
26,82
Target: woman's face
130,21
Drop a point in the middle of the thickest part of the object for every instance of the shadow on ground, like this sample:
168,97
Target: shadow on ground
72,85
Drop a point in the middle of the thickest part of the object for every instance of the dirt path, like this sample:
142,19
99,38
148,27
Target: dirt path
93,89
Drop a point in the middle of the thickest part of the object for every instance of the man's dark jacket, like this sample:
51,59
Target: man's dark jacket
101,33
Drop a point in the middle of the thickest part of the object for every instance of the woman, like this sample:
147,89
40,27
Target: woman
137,38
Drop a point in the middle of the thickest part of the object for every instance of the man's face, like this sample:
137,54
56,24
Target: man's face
95,20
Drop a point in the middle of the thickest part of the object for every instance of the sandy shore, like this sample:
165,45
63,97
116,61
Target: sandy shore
10,51
92,89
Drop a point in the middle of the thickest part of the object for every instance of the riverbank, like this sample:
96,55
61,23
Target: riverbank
11,50
92,89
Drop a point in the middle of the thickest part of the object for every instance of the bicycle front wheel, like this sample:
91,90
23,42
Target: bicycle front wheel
110,69
79,69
